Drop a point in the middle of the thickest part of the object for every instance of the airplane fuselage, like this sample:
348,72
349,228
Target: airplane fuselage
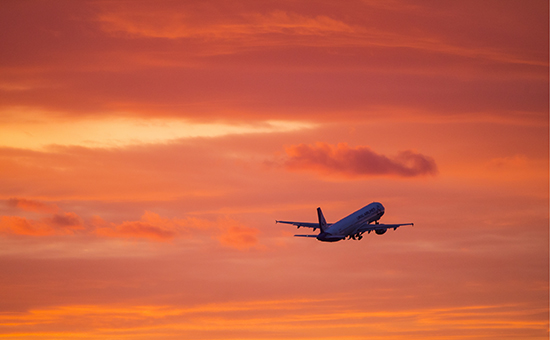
349,225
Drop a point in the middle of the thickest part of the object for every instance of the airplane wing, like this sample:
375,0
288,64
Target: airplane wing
371,227
303,224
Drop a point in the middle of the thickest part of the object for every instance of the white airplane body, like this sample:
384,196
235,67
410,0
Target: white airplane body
352,226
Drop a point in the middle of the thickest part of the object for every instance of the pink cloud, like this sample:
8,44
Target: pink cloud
153,227
139,230
58,224
344,161
32,205
237,236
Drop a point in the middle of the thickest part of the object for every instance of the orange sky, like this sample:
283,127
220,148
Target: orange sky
146,148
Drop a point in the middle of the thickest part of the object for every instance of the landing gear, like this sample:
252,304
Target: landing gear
357,236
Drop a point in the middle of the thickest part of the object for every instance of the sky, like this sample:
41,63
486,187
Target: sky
147,148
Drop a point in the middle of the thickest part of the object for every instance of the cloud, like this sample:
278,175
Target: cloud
148,172
166,23
153,227
234,31
216,61
500,163
32,205
65,220
138,229
360,162
120,132
238,236
57,224
246,319
516,167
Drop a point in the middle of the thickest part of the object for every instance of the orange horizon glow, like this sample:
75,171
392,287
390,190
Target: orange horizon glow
147,148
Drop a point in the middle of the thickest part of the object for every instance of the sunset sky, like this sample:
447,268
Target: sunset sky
147,148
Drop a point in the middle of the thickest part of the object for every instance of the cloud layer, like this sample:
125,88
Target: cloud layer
281,60
143,163
150,226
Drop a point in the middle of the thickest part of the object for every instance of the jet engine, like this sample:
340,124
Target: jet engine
380,231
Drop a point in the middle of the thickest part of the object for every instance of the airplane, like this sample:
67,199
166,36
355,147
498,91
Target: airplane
352,226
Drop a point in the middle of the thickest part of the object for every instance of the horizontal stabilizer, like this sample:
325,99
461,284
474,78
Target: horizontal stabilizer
306,236
301,224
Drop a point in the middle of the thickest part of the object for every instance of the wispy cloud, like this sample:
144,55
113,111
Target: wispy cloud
253,319
37,131
32,205
166,23
237,235
226,231
57,224
275,26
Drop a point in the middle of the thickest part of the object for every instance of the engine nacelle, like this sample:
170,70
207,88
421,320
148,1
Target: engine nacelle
380,231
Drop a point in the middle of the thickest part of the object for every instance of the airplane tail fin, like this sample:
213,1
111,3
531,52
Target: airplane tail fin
322,221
